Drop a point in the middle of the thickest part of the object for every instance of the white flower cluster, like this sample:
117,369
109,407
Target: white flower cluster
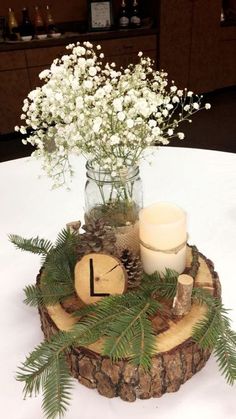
109,115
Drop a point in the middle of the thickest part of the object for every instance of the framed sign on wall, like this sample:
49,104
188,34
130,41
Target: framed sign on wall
100,15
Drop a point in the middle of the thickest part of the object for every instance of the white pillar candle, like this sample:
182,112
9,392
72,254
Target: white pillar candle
162,232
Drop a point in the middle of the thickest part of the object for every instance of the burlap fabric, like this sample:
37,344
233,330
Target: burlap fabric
127,237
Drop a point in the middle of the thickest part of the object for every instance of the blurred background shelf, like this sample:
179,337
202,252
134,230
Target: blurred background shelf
185,38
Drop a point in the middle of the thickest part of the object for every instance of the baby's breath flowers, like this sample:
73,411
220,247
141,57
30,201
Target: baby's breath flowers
109,115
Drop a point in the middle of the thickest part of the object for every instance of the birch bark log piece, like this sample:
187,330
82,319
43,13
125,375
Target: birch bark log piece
182,300
74,227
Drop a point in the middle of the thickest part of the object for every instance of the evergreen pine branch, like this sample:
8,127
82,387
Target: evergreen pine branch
143,343
66,238
33,245
46,368
225,349
57,388
60,263
206,331
47,295
214,332
121,333
201,296
123,323
231,336
164,286
55,346
116,302
57,269
59,260
98,323
225,352
68,242
33,296
117,318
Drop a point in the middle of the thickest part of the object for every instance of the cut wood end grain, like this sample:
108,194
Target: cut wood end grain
98,275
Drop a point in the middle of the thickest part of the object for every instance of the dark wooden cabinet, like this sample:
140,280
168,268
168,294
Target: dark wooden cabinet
204,73
125,51
12,60
175,39
194,48
188,41
19,70
227,56
14,86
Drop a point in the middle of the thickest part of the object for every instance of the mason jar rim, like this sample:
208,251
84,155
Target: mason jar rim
126,172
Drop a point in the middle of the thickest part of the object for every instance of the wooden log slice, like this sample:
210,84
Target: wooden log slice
177,357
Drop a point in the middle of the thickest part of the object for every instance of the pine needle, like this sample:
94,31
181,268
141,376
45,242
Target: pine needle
33,245
163,286
46,368
214,332
57,389
48,295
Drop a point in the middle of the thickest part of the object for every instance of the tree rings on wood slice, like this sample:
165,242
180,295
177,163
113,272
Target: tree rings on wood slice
176,360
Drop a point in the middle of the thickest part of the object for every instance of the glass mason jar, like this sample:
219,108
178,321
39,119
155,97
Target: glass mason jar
114,199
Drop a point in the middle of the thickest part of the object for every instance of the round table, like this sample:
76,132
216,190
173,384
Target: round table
203,183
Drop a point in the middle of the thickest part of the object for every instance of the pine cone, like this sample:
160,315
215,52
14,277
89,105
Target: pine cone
133,267
97,238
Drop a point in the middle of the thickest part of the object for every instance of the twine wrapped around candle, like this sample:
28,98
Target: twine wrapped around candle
174,250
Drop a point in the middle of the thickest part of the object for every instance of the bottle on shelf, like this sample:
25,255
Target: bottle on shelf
40,29
13,27
26,28
123,15
135,19
52,30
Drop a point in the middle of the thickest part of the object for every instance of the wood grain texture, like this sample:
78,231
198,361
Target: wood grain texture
175,39
204,62
177,357
44,56
14,87
12,60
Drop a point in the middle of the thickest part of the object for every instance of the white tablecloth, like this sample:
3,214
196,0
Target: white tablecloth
200,181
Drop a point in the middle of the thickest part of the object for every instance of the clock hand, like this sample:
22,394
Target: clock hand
110,270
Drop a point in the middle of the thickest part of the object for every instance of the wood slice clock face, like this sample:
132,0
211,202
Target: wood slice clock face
98,275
